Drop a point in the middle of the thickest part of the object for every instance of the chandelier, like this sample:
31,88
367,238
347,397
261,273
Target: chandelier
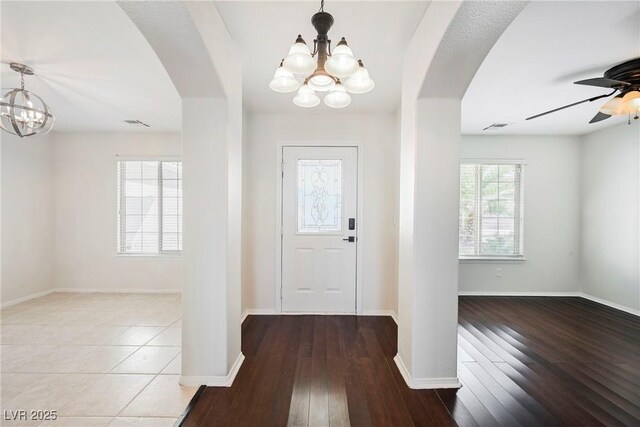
24,113
336,74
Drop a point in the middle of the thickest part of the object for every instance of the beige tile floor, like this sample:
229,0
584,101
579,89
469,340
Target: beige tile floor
96,359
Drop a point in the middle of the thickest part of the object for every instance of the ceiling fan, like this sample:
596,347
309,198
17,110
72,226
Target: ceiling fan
624,79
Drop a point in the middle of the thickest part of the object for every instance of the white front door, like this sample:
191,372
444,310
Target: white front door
319,229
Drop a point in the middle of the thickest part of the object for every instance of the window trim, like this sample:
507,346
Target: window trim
120,214
471,259
519,219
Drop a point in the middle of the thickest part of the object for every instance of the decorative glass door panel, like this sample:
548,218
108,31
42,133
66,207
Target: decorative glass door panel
320,196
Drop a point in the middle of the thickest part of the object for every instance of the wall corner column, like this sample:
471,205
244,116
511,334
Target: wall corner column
428,292
211,322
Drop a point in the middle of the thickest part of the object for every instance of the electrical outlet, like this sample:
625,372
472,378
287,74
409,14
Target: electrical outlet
498,272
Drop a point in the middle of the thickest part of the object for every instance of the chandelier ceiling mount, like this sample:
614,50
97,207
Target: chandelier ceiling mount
21,68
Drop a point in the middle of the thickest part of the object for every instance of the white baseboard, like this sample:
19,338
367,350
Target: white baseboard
518,294
389,313
213,381
119,291
90,290
267,311
26,298
425,383
257,312
611,304
552,294
315,313
403,370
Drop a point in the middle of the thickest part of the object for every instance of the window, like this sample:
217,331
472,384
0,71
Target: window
319,196
491,222
149,207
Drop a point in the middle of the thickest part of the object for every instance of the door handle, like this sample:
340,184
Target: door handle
350,239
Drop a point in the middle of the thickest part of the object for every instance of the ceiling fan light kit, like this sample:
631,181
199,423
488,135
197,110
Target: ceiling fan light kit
624,79
612,106
23,113
321,71
630,103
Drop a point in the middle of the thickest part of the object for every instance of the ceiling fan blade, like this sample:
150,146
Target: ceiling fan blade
570,105
599,117
602,82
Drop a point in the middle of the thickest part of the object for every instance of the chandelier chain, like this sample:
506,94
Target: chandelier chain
321,5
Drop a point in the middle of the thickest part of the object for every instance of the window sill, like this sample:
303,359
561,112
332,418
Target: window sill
491,259
148,255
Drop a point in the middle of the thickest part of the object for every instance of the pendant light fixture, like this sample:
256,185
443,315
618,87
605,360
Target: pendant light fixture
321,71
622,104
24,113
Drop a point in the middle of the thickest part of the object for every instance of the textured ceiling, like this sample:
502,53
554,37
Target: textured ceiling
96,69
176,41
93,66
533,65
376,31
466,43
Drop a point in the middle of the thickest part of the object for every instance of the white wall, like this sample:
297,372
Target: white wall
379,136
551,216
27,216
610,213
86,214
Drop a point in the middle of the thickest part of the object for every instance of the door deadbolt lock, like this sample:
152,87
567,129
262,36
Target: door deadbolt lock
350,239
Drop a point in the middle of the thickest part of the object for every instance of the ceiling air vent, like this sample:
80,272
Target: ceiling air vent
137,123
496,125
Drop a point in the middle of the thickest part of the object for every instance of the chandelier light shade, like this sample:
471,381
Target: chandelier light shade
321,81
341,63
306,97
321,71
300,60
24,113
284,81
338,97
359,82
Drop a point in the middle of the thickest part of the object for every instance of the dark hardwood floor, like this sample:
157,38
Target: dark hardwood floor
522,361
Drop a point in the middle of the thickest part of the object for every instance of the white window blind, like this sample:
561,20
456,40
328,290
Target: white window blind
491,208
149,207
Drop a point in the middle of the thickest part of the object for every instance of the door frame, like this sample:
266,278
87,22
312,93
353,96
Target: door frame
280,145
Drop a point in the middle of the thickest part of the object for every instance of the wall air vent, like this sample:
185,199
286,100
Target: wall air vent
496,125
137,123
